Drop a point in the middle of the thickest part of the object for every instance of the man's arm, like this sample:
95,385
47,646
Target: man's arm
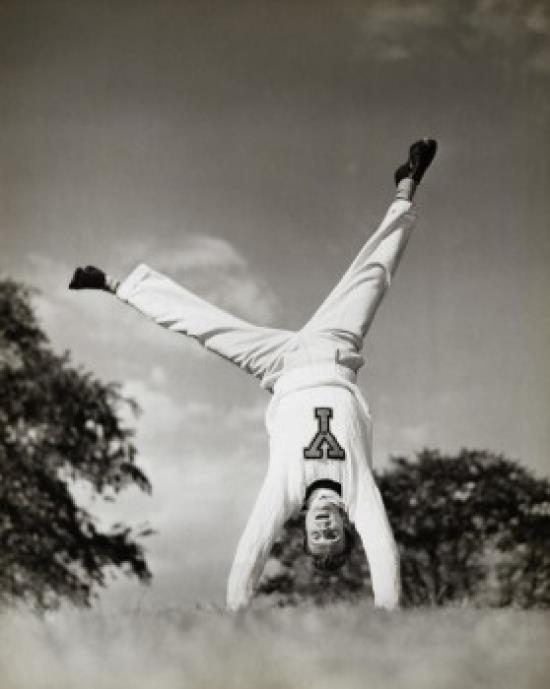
372,524
269,514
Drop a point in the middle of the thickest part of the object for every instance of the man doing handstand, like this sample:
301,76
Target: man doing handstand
319,425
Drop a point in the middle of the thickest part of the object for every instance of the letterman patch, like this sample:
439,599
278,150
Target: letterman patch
324,438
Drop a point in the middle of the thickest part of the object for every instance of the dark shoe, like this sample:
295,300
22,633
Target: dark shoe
89,277
421,154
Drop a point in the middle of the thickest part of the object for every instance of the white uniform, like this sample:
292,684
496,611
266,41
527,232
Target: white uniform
314,368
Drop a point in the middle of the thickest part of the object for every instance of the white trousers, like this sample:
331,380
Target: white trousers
339,325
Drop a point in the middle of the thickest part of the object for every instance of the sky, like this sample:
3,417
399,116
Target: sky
247,149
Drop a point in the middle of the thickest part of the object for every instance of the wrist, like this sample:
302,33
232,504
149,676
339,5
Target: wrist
111,284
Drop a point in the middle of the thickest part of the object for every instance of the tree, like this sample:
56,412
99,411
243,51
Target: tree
58,424
472,527
465,521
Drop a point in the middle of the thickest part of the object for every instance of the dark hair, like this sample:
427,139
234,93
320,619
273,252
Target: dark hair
328,562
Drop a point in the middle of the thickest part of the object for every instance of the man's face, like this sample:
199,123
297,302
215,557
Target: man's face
324,527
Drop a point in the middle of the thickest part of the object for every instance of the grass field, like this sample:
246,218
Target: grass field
338,647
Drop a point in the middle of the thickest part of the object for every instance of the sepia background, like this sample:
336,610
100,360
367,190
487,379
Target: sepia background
247,149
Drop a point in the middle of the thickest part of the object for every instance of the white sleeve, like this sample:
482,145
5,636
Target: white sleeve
268,516
372,524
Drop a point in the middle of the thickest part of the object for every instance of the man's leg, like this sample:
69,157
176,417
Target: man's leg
350,307
255,349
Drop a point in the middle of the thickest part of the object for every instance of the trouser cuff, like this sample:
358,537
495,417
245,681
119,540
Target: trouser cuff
406,189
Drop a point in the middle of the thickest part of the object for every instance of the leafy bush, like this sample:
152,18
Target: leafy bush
472,527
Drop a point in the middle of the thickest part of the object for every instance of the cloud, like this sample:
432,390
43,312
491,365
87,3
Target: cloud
508,18
212,269
161,412
215,270
393,53
158,375
537,19
99,332
198,508
200,252
204,485
391,30
232,285
164,414
247,415
91,324
51,278
514,32
540,62
517,31
384,17
242,294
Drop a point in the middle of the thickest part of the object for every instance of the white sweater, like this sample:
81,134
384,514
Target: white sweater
291,424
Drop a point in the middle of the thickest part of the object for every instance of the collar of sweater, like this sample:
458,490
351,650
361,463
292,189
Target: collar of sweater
322,483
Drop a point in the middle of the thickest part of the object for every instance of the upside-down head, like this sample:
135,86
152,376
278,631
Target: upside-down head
328,533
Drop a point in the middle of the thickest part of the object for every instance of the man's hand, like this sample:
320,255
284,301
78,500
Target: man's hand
89,277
